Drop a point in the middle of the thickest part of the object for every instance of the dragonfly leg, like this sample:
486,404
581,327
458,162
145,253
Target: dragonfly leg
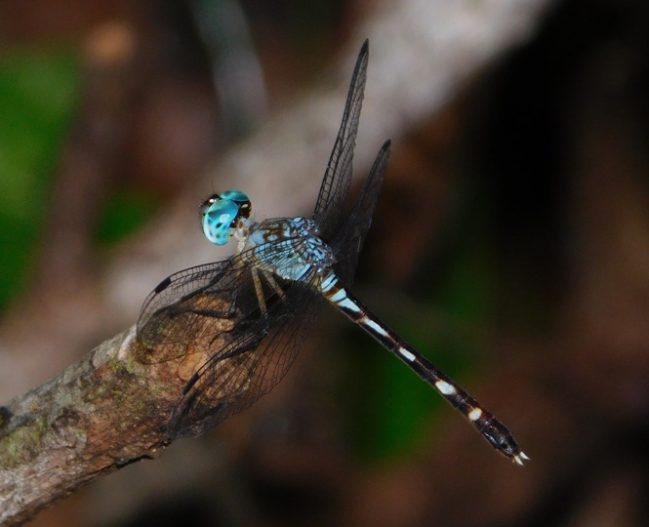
259,291
273,283
230,312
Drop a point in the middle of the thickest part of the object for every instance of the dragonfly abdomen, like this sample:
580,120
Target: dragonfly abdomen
484,421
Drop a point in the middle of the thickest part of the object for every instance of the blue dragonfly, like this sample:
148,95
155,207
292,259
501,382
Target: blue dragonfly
247,314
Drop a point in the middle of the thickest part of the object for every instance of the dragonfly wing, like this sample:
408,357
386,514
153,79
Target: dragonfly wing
260,353
349,240
337,178
211,315
184,305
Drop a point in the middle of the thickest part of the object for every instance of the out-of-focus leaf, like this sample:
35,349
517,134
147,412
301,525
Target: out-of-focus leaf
38,91
123,214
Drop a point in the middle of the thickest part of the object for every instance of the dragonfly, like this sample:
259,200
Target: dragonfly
248,314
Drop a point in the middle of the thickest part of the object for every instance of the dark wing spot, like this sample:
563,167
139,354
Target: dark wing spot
162,285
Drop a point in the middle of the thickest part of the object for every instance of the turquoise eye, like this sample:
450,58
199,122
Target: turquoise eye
221,213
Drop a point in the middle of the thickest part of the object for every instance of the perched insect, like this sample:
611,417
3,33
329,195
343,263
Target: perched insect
247,312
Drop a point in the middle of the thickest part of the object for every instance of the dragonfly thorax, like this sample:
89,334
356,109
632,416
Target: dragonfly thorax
290,248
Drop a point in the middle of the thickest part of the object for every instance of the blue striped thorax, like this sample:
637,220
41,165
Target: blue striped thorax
221,214
297,251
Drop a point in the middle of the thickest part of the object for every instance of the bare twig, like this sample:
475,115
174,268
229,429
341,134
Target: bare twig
107,411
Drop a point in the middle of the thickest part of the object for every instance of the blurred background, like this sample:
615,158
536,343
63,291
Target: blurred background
510,246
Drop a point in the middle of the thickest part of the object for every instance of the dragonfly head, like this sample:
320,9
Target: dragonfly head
222,214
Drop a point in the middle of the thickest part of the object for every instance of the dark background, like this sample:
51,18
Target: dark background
511,246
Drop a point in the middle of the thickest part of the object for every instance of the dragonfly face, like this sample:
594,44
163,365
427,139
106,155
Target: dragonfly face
222,213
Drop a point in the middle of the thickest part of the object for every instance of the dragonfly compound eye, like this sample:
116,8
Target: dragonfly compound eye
221,214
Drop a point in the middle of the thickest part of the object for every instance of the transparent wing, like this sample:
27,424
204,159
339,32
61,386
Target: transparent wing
185,305
337,179
213,311
349,241
250,365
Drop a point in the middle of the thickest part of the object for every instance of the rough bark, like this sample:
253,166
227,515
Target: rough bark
100,414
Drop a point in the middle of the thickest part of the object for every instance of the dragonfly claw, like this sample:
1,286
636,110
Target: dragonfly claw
520,458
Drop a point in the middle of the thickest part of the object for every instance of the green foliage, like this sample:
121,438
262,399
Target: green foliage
38,91
123,214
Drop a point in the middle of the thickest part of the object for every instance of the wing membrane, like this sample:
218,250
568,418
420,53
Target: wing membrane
349,241
212,310
247,368
337,179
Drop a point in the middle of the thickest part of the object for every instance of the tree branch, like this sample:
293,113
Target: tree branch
100,414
